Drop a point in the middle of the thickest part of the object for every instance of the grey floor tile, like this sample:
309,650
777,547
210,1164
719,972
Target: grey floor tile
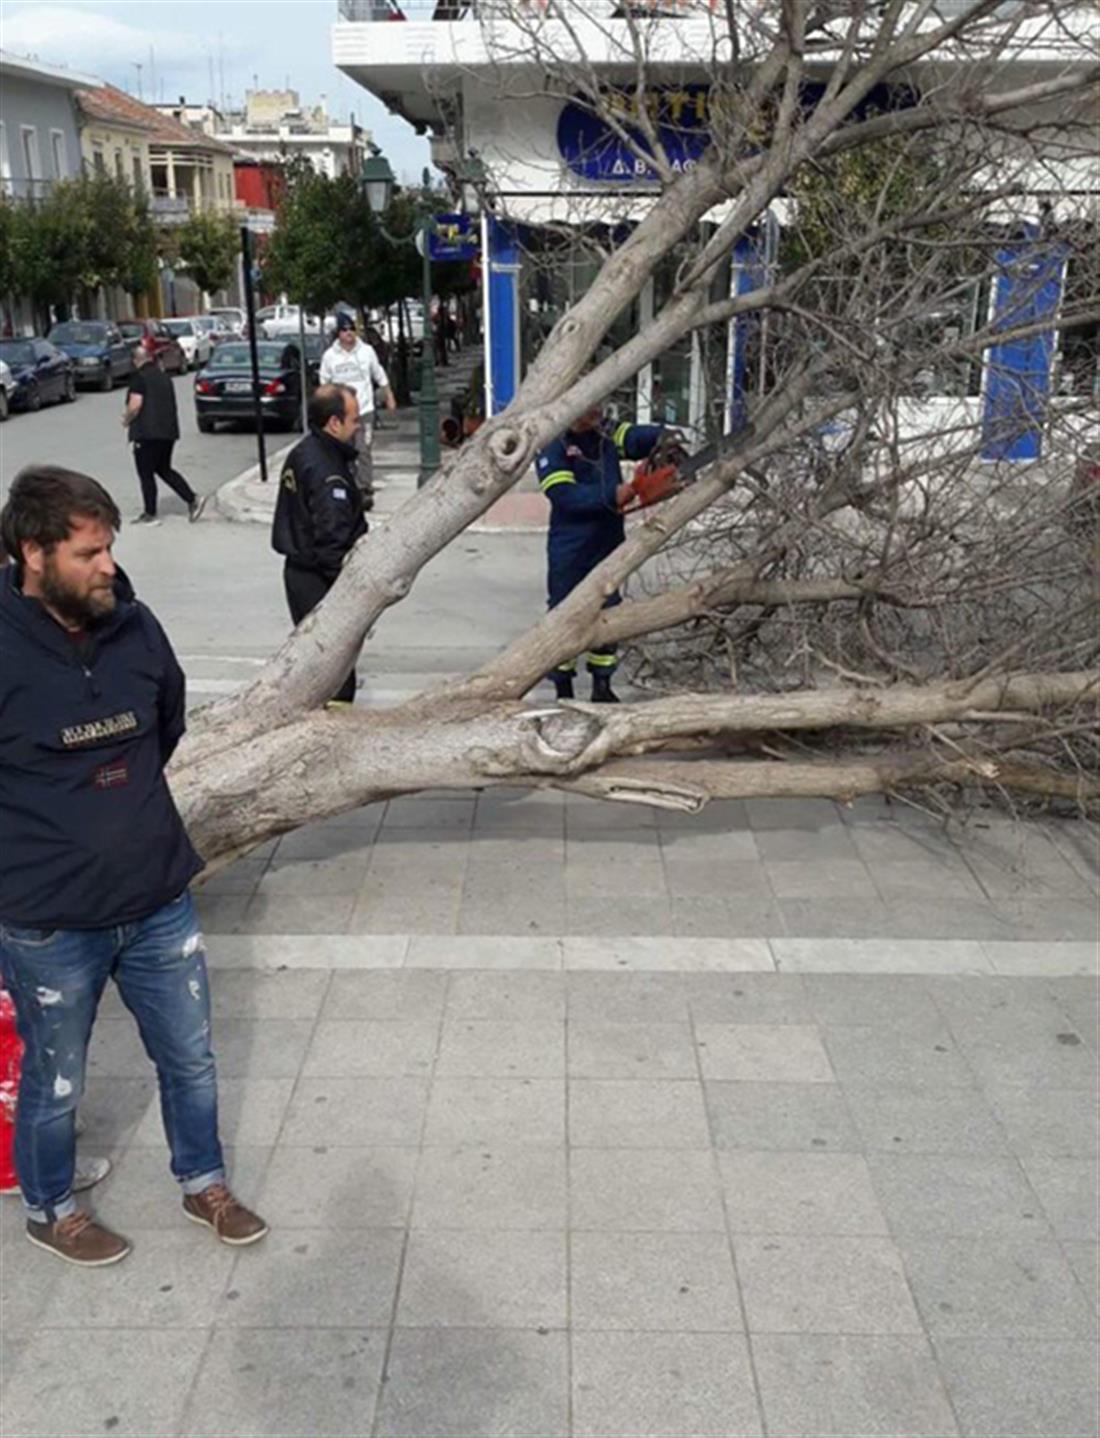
260,1048
1052,1062
250,1112
328,841
302,1277
957,1195
387,994
816,1385
993,1010
452,1383
913,878
314,878
947,1121
613,846
300,913
835,918
507,1186
1021,1387
513,996
501,1048
516,850
637,1113
1079,997
686,845
483,1280
1055,919
663,1282
420,914
369,1048
824,1285
747,998
595,817
779,1116
545,915
239,878
720,816
996,1288
72,1382
895,1001
1074,959
170,1280
863,1055
1067,1189
700,877
642,916
738,916
626,998
801,1193
763,1053
356,1112
430,814
821,878
615,883
30,1276
630,1050
270,1384
115,1051
14,1342
260,994
488,1111
829,842
1084,1259
653,1189
338,1187
222,913
1052,1121
113,1109
663,1385
897,956
499,954
684,952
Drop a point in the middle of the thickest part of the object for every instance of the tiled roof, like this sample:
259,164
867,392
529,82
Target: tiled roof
115,106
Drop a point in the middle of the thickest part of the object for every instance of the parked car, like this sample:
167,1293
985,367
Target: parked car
40,371
282,322
232,320
214,327
193,340
96,348
315,348
223,388
7,390
153,335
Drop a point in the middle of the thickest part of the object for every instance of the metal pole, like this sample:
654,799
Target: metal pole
429,394
303,368
250,309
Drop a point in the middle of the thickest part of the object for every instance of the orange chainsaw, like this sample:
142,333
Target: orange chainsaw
667,470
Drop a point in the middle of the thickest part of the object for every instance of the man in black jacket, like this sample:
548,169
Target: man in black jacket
95,859
318,515
152,421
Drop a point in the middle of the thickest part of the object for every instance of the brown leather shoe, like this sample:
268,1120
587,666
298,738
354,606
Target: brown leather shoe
79,1239
218,1209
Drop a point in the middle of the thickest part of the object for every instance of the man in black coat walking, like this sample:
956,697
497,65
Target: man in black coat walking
152,420
318,513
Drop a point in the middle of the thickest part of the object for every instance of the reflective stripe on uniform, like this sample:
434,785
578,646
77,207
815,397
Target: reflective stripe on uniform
559,476
602,661
620,436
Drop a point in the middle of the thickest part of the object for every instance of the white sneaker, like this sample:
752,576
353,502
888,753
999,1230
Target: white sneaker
89,1172
149,520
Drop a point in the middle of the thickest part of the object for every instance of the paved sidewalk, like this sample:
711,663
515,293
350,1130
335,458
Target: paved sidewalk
547,1202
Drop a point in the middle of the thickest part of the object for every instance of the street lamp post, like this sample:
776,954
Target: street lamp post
378,182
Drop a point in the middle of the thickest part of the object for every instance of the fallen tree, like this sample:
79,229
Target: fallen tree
907,617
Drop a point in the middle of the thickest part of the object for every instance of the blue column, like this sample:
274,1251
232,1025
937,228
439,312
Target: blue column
1026,290
502,339
749,273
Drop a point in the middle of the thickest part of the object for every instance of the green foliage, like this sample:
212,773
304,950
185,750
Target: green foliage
85,233
208,245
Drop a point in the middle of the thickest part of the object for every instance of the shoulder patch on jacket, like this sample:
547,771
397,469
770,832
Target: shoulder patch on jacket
289,480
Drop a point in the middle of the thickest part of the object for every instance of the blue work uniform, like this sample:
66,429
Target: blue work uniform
579,474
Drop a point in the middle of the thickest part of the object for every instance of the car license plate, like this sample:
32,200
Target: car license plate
238,386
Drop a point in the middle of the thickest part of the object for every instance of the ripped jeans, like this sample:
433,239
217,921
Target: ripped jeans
56,979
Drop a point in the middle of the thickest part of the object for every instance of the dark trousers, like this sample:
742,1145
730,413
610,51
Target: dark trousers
153,458
305,589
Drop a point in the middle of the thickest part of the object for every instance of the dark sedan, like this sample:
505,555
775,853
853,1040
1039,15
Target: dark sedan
98,351
156,339
223,387
41,373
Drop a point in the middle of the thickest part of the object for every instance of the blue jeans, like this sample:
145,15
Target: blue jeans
56,979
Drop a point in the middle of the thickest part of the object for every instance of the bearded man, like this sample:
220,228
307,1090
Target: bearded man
95,864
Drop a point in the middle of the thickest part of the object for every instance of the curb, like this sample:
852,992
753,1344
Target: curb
231,499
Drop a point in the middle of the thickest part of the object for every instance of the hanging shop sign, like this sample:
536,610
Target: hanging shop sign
453,237
612,146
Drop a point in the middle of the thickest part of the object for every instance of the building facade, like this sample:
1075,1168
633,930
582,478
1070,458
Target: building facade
470,76
39,136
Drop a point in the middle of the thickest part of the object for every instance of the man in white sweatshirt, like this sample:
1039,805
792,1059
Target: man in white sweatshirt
349,361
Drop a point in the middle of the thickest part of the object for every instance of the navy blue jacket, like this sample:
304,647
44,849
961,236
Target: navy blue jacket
318,510
579,474
89,834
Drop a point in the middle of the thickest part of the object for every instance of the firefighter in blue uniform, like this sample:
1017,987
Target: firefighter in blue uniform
581,475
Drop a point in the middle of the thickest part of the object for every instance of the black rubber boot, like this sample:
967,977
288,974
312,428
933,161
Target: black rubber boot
602,692
563,685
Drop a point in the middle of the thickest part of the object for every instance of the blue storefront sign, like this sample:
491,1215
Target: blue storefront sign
683,117
1027,291
453,237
